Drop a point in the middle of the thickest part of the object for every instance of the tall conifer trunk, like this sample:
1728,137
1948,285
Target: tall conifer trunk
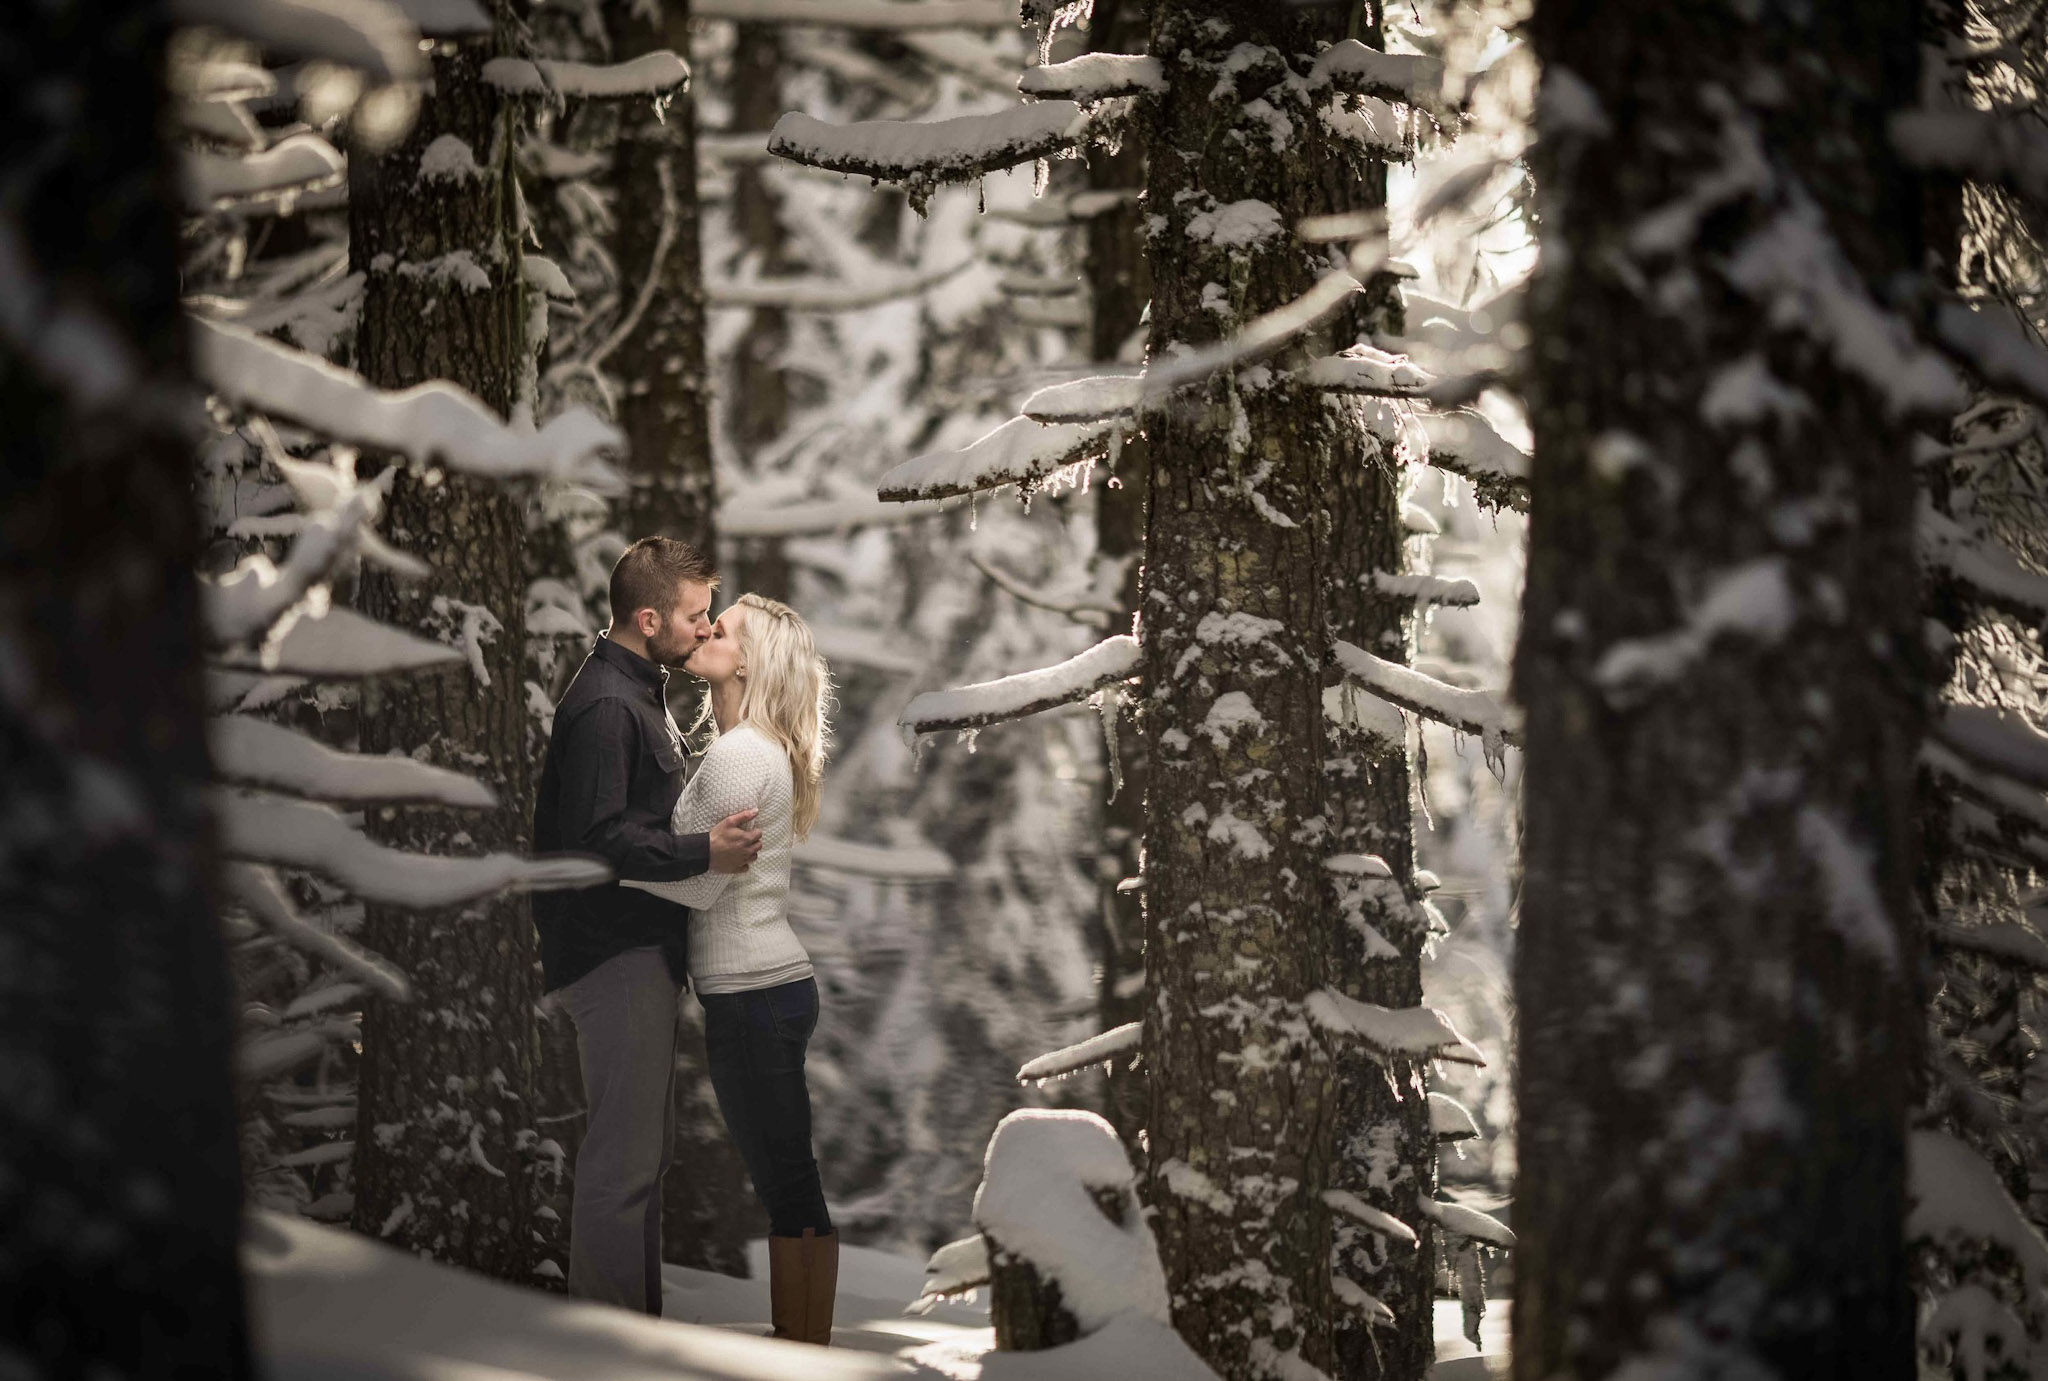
120,1192
441,1162
1721,668
1241,1127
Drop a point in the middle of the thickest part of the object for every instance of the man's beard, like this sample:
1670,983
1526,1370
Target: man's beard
670,650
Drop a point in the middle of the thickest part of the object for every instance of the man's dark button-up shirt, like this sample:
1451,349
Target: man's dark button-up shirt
608,786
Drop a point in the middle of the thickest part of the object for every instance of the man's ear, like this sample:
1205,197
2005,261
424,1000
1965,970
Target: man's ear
647,621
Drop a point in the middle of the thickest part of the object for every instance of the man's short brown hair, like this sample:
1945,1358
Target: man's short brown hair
651,573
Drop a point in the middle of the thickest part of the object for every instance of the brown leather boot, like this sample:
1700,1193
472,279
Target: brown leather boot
787,1288
821,1285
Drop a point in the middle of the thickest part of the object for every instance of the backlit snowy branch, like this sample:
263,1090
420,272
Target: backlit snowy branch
933,151
865,14
1389,1033
1095,77
1465,444
1020,452
650,74
256,752
260,892
1026,693
1072,1059
1469,711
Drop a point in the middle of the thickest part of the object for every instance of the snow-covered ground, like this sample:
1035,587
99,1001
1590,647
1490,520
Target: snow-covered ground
333,1306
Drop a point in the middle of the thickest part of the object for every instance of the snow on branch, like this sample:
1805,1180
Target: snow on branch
1020,452
826,294
1426,589
1992,345
865,14
1028,692
257,827
1368,372
1996,741
2009,941
1095,77
1469,711
259,891
1465,443
2015,804
1364,1214
1100,398
373,36
1956,1194
764,515
650,74
338,644
1449,1120
1072,1059
250,599
927,152
1389,1033
1466,1222
297,163
259,753
955,1269
2007,148
1351,67
430,422
1983,571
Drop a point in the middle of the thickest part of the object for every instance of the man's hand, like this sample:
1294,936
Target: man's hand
733,845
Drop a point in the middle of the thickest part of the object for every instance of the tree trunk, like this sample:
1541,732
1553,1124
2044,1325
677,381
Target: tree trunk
1119,286
708,1212
1714,971
120,1194
1242,1117
445,1122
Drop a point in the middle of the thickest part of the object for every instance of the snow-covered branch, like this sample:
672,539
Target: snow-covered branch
1365,1215
1368,372
650,74
433,422
747,515
1389,1033
2008,941
2015,806
1351,67
1466,1222
2000,743
933,151
297,163
1072,1059
259,891
1100,398
1981,570
865,14
1469,711
1465,443
256,752
373,36
338,644
1956,1194
258,827
826,294
1993,346
1095,77
1426,589
250,599
1026,693
1020,452
1449,1120
2008,148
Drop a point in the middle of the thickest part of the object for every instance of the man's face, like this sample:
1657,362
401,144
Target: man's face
670,641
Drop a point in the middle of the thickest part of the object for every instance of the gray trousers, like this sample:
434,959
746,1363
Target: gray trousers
625,1015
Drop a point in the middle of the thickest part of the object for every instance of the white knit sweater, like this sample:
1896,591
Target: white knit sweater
740,938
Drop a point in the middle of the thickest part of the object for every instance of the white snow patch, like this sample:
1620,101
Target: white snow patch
1236,224
1848,880
448,159
1753,600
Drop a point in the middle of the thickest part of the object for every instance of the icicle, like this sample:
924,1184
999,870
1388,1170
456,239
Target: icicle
1109,703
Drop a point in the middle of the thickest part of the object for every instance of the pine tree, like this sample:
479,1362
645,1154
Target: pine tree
120,1197
433,224
1721,668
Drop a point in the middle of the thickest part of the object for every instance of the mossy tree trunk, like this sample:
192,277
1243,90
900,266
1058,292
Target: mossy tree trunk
1242,1119
1715,968
120,1191
442,1163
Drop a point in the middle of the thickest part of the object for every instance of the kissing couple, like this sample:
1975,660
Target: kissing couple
701,899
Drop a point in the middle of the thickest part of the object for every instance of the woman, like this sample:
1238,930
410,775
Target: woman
768,693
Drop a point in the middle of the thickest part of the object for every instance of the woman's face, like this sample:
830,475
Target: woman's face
717,658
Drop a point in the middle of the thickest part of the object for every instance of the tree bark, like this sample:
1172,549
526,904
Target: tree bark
120,1193
446,1106
1241,1125
1714,971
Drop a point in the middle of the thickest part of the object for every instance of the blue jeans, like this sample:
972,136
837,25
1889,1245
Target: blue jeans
754,1043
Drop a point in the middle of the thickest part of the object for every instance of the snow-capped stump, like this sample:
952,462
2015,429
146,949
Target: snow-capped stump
1095,77
1410,79
1028,692
1103,397
1068,1246
1020,452
1465,444
1391,1033
1072,1059
650,74
255,752
1469,711
1449,1120
433,422
923,154
1466,1222
958,1268
258,827
1368,372
1378,1220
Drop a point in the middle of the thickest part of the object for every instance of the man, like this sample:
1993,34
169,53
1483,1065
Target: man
616,955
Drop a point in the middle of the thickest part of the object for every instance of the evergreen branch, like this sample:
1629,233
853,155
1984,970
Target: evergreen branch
1468,711
1095,77
922,154
1020,452
2008,941
256,752
1388,1033
1366,1216
650,74
1995,742
864,14
1467,1222
1026,693
1982,572
1072,1059
259,891
1992,346
1465,444
1408,79
2007,148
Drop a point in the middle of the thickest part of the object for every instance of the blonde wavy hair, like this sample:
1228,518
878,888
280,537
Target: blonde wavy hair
787,697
